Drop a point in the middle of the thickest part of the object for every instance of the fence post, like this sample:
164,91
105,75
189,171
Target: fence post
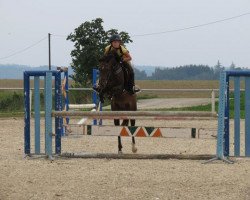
37,113
58,107
213,101
26,86
48,117
236,116
222,117
247,116
94,94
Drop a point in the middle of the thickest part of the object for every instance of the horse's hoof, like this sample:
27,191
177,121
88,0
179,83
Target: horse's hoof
134,149
119,152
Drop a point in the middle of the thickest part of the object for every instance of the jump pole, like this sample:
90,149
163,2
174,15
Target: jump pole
136,156
137,115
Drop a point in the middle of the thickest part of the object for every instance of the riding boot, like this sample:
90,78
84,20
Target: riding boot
131,83
131,79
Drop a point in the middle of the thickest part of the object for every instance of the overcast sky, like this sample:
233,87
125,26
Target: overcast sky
24,22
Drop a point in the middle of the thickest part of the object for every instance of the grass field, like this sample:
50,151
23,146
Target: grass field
149,84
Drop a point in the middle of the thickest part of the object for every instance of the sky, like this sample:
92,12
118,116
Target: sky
25,22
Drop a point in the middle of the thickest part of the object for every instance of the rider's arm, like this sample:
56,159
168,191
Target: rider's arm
126,56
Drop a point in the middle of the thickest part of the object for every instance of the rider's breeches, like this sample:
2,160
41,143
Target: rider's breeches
130,69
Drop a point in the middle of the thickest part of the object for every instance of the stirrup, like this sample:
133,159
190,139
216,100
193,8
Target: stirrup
131,91
136,89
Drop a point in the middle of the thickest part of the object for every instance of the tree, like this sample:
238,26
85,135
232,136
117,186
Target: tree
90,39
140,75
217,69
232,66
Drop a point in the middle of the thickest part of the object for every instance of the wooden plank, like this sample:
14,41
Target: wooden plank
137,156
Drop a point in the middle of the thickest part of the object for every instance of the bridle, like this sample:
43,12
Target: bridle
115,70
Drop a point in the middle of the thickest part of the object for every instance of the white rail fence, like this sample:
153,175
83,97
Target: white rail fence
212,91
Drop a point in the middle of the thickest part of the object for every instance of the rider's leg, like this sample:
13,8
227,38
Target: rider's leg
131,78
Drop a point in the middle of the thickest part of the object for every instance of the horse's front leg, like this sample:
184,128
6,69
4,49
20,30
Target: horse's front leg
117,122
134,149
132,122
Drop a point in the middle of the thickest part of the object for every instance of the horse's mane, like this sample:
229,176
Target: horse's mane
110,65
110,55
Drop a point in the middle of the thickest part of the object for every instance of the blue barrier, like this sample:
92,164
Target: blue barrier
59,131
95,96
223,135
48,108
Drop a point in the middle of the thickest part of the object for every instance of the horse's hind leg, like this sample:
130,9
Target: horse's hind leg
132,122
134,149
117,122
119,145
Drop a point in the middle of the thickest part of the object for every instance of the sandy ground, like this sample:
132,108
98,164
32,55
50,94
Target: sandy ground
26,178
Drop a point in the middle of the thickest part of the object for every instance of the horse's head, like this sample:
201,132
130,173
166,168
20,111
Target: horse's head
111,78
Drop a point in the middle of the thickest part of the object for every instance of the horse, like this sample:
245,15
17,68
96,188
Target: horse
113,80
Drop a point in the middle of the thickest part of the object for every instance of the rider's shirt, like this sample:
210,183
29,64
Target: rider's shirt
121,51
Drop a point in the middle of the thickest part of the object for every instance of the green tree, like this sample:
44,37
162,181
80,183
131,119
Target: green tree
232,66
217,69
89,40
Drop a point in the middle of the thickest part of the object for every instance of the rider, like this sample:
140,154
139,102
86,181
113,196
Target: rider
116,44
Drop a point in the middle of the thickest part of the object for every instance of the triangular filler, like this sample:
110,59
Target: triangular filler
149,130
157,133
124,132
141,133
132,129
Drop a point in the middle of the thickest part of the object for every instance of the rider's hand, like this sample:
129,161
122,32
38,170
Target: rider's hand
122,60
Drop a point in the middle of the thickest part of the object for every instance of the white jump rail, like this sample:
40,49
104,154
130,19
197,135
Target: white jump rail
138,114
82,106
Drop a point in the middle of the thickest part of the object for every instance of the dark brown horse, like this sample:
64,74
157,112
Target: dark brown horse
113,80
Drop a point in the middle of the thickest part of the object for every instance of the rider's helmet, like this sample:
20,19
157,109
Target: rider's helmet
115,37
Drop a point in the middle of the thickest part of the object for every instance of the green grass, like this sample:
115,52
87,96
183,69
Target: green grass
11,101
